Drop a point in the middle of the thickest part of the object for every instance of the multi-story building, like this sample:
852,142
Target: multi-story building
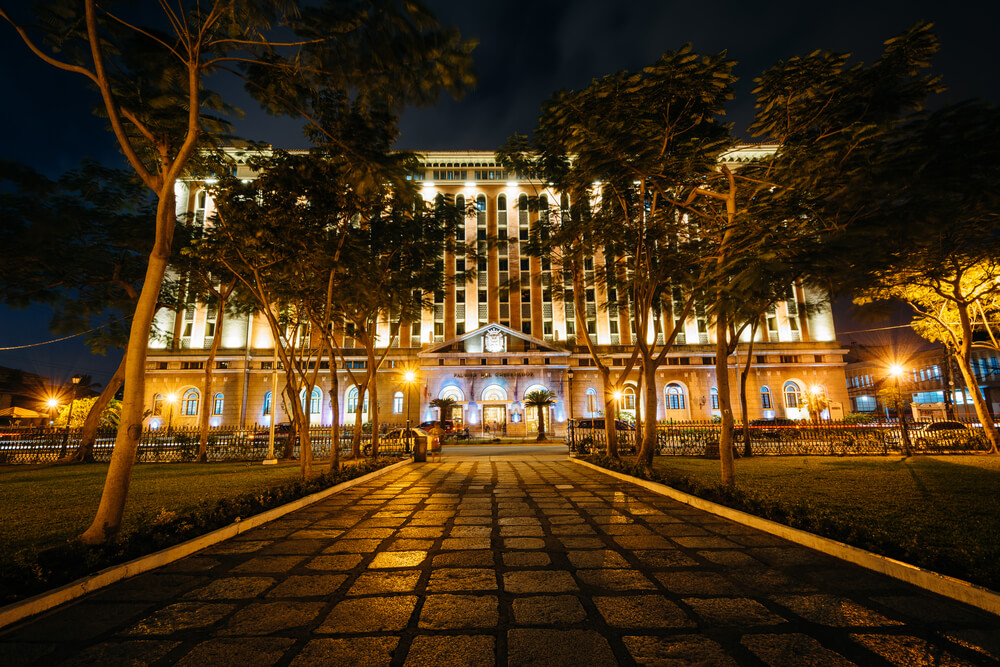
491,339
930,382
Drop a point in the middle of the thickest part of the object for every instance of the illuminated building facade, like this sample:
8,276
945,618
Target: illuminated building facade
491,339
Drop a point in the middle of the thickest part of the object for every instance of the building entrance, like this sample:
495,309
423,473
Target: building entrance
495,417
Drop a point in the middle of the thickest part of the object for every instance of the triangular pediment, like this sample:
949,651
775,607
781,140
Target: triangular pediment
495,339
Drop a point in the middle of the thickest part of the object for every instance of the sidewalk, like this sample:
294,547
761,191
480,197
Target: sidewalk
479,562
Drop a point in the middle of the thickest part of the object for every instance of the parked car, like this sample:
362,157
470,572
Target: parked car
772,427
942,434
399,439
282,431
449,425
620,424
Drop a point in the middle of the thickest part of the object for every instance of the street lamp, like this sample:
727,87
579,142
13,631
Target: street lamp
896,371
171,399
52,405
409,377
69,418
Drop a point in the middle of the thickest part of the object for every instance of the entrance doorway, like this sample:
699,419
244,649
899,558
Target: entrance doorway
495,418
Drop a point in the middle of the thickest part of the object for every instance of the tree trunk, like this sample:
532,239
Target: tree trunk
335,407
649,411
112,506
372,392
610,425
541,423
358,424
725,405
84,452
744,374
209,363
964,354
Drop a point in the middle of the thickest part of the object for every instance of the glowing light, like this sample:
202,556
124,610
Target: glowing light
211,181
469,184
816,389
511,184
895,370
617,395
215,422
171,398
154,424
52,403
409,376
428,184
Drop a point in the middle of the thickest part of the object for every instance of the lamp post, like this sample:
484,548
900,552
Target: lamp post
171,399
52,405
69,418
896,371
408,378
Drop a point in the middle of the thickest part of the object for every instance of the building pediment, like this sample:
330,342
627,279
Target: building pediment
495,339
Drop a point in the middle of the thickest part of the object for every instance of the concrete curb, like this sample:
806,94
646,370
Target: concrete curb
949,587
45,601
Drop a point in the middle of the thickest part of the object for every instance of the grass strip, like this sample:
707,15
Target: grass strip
168,504
939,513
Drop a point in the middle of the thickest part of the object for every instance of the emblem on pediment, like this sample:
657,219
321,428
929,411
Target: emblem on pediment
493,340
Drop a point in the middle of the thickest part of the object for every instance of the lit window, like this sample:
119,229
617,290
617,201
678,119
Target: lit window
592,401
714,396
792,393
267,403
217,403
675,397
189,403
765,398
397,403
628,399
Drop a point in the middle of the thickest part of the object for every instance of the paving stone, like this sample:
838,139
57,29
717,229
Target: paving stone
152,587
916,607
677,650
409,545
521,531
264,618
785,556
688,582
376,614
664,558
731,559
649,542
446,612
243,651
192,564
291,546
353,547
309,585
134,653
335,562
181,616
268,564
593,559
833,610
642,611
793,650
983,642
420,532
566,519
465,543
232,588
470,531
369,583
615,580
732,611
354,651
583,543
391,559
908,650
454,651
769,581
681,529
558,648
548,610
462,579
519,521
368,533
511,543
526,559
539,581
473,521
479,558
707,542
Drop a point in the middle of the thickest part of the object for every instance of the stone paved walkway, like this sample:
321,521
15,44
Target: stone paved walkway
479,562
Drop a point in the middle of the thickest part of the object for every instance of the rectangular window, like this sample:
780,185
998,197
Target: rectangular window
503,263
397,404
266,365
222,365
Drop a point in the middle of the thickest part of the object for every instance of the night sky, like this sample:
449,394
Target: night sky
527,51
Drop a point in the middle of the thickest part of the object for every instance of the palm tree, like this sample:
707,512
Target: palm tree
444,406
540,398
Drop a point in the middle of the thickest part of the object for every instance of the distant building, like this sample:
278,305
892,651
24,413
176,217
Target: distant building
486,345
932,382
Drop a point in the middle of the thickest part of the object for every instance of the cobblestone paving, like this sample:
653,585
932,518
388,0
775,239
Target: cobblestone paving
510,563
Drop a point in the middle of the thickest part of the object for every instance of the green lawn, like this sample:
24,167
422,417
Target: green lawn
942,512
44,507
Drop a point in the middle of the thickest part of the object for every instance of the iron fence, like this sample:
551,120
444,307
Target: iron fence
824,438
27,445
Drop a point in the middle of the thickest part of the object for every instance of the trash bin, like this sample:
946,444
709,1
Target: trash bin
420,450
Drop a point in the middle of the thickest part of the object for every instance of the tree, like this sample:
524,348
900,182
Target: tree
444,406
151,80
647,138
540,399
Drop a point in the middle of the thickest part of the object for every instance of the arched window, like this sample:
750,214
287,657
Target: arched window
792,394
592,401
460,204
765,398
189,402
267,403
502,216
352,401
217,402
494,392
314,401
522,217
200,206
675,396
714,396
157,405
397,403
454,393
628,398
